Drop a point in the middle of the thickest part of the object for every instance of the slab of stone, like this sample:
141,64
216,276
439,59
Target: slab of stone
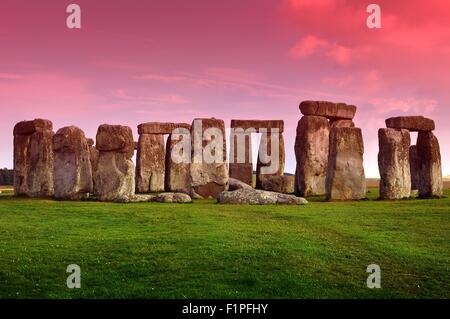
265,166
33,158
179,198
150,166
345,178
311,151
235,184
327,109
177,177
115,138
257,125
72,174
411,123
414,168
259,197
160,128
429,155
393,163
280,184
209,177
241,159
341,123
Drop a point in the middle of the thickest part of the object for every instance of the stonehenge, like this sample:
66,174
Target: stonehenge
193,161
405,167
72,169
329,152
33,158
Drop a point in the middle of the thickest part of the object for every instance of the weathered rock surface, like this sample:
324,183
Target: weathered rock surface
150,166
180,198
411,123
209,170
429,154
258,125
235,184
393,163
311,151
341,123
414,167
115,175
177,177
345,178
259,197
280,184
241,160
33,158
269,163
327,109
160,128
72,174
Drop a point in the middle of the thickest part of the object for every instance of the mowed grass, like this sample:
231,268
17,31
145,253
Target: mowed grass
206,250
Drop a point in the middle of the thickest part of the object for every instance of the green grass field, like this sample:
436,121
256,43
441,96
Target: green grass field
206,250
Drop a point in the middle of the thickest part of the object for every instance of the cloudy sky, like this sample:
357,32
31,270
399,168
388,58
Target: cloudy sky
137,61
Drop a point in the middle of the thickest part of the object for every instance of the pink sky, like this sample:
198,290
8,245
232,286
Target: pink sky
137,61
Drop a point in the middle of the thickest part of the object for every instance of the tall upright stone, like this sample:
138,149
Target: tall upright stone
345,178
209,169
270,163
72,174
241,160
150,170
311,151
33,158
429,155
393,163
115,174
178,158
414,167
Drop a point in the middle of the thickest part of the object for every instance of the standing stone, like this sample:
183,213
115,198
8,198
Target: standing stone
311,151
72,174
150,163
414,167
428,151
33,158
393,163
93,153
345,177
241,165
209,176
177,177
265,162
115,174
280,184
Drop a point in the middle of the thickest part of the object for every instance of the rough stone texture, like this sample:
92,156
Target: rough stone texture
235,184
429,154
180,198
258,125
280,184
341,123
208,179
327,109
345,177
265,147
177,177
258,197
115,175
150,168
33,158
412,123
72,171
241,165
311,151
393,163
414,166
160,128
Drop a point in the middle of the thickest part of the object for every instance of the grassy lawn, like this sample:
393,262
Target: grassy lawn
206,250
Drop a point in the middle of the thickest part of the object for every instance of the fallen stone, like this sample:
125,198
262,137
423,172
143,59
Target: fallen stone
150,166
72,174
235,184
411,123
279,184
393,163
345,178
259,197
327,109
429,154
179,198
311,151
33,158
